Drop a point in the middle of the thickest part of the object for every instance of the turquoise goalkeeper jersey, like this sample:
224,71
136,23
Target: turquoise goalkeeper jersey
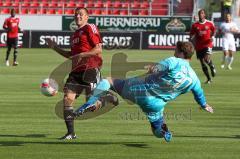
170,78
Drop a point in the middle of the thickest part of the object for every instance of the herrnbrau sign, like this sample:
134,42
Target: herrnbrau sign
134,23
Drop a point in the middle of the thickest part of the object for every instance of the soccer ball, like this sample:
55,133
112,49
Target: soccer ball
49,87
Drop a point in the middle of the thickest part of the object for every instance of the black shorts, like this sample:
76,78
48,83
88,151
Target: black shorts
12,42
206,51
85,80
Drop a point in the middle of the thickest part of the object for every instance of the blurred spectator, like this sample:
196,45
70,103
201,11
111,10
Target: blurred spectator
226,7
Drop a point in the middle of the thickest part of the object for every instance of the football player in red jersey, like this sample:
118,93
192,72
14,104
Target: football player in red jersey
11,25
202,33
86,50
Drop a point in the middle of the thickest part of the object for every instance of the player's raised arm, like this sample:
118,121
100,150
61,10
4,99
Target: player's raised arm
53,45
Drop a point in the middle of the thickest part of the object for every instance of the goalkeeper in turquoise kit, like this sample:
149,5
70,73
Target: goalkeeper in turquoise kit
163,82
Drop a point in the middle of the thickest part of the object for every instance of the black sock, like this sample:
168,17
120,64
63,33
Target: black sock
69,119
7,54
15,55
205,70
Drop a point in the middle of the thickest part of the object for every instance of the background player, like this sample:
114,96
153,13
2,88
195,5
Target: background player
227,29
202,34
164,82
11,25
86,59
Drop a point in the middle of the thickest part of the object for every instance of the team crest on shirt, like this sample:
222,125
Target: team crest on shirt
206,27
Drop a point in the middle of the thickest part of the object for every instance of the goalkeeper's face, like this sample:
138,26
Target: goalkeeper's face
81,17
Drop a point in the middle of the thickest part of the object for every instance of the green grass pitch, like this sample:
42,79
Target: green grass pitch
30,128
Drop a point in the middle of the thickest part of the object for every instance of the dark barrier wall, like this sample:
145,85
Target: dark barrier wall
111,40
114,40
168,41
23,39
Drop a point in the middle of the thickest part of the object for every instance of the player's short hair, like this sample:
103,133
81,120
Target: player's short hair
186,48
12,10
79,8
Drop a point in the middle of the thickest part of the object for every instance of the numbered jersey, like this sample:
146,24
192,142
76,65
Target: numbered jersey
172,77
82,41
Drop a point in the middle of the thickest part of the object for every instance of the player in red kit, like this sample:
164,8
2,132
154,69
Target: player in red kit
11,25
86,50
202,34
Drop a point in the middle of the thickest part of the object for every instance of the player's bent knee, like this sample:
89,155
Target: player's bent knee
69,98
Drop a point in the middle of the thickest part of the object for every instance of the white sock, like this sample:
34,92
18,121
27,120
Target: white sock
224,59
230,61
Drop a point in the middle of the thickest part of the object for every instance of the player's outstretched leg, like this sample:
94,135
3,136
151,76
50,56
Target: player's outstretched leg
160,130
101,89
104,100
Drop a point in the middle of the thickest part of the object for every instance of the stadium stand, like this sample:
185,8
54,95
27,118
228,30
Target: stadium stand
96,7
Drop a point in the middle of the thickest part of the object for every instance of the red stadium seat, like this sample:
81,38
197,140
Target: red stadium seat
69,11
125,5
144,5
51,11
53,5
99,5
5,11
108,4
44,1
134,12
59,11
7,4
15,4
81,5
70,5
97,12
90,5
117,4
27,4
135,5
43,11
33,11
116,12
24,11
44,4
106,12
143,12
34,4
124,12
159,12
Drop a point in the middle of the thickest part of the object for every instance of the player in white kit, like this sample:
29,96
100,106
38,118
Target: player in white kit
227,29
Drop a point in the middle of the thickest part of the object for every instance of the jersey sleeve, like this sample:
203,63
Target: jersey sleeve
94,36
213,28
199,94
192,30
5,24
